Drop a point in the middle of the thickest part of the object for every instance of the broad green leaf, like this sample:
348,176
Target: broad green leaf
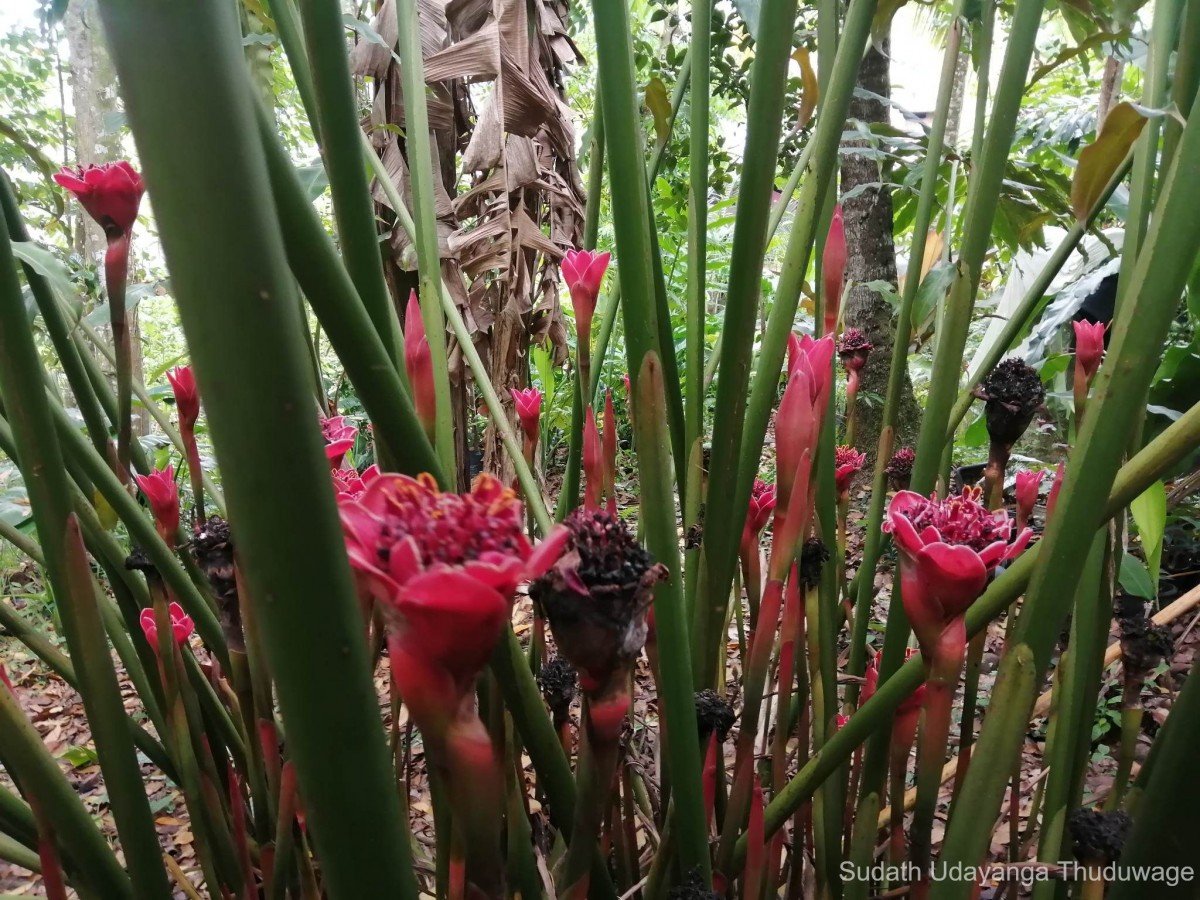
750,11
51,268
135,295
1099,160
543,364
79,757
1150,513
313,179
1134,578
659,105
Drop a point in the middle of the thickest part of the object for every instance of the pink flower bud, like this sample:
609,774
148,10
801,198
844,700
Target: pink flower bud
1028,485
593,462
529,411
418,361
833,269
111,194
187,397
182,626
583,271
1089,349
163,496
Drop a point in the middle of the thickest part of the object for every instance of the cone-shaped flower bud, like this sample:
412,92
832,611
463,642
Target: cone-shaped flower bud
833,269
163,496
948,548
181,624
418,362
1028,485
1012,394
583,271
596,596
111,194
847,463
593,462
529,411
899,468
1055,487
1089,349
187,396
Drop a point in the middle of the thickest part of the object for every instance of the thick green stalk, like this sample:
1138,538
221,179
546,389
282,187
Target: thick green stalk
1138,332
337,123
1029,303
1186,80
1068,740
28,407
229,271
1165,833
982,199
985,37
631,213
717,573
337,305
28,760
773,46
697,252
418,141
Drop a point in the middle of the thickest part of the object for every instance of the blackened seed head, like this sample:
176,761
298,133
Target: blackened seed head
608,553
813,557
139,561
1144,645
692,888
557,681
1098,836
1129,608
713,714
1013,392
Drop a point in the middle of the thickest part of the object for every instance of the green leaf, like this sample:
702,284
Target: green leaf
750,11
543,364
136,293
1099,160
659,105
51,268
79,757
1150,513
314,179
1134,578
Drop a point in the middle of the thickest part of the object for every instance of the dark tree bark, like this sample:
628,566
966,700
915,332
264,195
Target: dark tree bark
871,256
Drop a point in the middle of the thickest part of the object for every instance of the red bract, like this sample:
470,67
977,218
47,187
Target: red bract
187,397
163,497
847,462
762,503
1089,349
181,624
583,271
529,410
1028,485
445,568
842,721
593,462
870,681
610,452
948,548
110,193
833,269
418,362
339,434
1055,487
816,356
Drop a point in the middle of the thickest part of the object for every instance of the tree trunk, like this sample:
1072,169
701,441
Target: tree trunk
1110,89
94,98
871,256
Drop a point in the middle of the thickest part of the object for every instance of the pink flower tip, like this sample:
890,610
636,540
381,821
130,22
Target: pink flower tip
163,496
583,271
1089,347
187,396
182,625
528,402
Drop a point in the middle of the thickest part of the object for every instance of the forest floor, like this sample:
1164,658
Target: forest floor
57,713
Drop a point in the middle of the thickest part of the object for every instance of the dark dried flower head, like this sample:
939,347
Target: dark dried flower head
1012,394
713,714
139,561
557,680
813,556
597,594
1098,836
899,468
692,888
853,349
213,549
1143,646
1127,607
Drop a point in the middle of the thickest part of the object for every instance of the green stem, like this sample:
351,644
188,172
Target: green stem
235,295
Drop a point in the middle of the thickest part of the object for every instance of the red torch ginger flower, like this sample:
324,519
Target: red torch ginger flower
339,436
349,484
163,496
948,548
583,271
853,349
187,397
833,269
1028,485
899,468
1089,349
181,624
762,503
110,193
445,568
847,462
418,363
529,411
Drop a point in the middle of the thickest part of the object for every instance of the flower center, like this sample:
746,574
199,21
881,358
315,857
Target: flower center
961,520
